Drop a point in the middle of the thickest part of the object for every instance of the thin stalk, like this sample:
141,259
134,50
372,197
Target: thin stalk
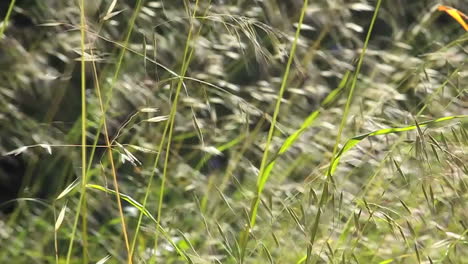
111,159
262,178
148,188
7,18
329,179
188,52
83,116
101,125
83,127
168,127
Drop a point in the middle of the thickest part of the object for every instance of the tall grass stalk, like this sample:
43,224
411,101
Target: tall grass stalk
167,128
329,179
188,52
83,131
148,187
83,210
102,125
7,18
262,177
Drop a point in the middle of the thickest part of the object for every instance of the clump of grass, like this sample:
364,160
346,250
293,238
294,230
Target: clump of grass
234,133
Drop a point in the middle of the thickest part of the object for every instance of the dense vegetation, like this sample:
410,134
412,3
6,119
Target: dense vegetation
233,132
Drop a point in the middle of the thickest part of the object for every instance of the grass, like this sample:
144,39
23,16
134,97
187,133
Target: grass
262,176
209,132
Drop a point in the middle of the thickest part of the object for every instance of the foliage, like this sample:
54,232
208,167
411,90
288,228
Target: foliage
232,132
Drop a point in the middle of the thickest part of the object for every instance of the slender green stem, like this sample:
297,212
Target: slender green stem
329,179
148,187
7,18
188,52
83,104
262,177
83,126
102,124
353,86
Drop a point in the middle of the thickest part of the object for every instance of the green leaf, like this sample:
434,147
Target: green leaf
355,140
